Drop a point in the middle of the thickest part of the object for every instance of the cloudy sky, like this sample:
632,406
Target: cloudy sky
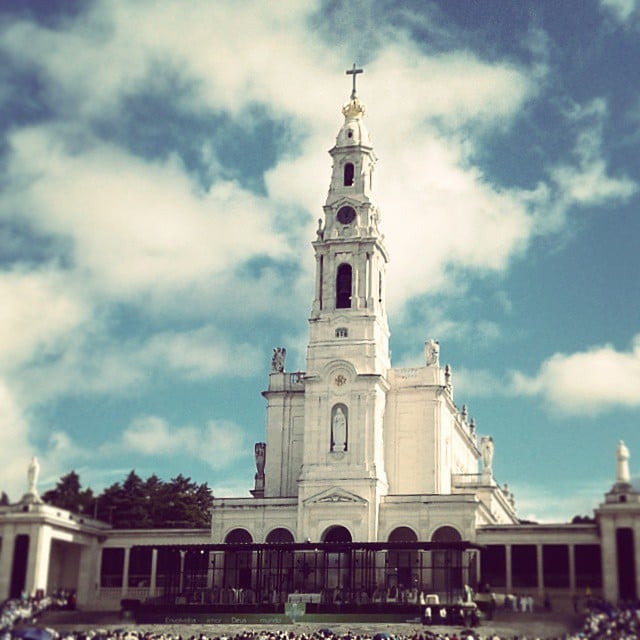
163,165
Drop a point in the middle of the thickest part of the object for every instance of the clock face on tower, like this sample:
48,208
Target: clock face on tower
346,215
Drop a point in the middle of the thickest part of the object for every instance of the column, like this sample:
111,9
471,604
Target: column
39,559
6,561
154,572
183,553
210,570
508,577
88,579
99,552
540,570
636,553
125,571
572,568
609,559
317,303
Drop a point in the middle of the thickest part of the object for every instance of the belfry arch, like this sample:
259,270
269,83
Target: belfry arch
344,277
349,172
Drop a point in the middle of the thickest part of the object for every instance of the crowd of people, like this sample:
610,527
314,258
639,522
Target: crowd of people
606,622
602,621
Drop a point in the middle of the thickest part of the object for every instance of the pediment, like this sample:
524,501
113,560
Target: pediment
335,495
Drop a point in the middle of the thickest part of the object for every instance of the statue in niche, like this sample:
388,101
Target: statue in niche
277,360
486,450
432,353
260,451
622,466
339,430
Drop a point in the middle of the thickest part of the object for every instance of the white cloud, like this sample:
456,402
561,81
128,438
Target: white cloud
200,354
480,383
587,382
217,443
99,364
235,53
559,504
621,10
134,226
44,309
586,182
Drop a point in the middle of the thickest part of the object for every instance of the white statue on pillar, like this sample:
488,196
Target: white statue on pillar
622,466
486,451
432,353
33,471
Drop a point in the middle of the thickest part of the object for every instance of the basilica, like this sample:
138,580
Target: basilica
373,492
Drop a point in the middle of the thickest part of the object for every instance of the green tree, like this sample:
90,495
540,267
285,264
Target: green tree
137,503
68,494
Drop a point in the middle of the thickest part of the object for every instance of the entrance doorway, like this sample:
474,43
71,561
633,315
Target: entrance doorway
337,561
401,564
626,564
19,567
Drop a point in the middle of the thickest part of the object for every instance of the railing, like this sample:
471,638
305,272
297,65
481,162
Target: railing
466,479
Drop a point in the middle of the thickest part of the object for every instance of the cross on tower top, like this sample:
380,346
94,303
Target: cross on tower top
353,72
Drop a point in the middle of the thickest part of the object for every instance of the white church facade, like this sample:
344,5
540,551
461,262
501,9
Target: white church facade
352,442
371,481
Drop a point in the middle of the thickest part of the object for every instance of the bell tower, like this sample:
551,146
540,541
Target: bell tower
348,349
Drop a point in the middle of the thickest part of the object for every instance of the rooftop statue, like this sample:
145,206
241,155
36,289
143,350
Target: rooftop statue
622,466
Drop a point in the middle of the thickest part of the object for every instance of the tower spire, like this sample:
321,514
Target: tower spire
353,72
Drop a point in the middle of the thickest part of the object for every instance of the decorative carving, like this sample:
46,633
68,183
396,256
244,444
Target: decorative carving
335,497
340,380
277,360
432,353
339,429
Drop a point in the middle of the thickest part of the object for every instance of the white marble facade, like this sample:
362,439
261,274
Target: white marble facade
351,441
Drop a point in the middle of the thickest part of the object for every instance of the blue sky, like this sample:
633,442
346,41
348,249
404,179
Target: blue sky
163,165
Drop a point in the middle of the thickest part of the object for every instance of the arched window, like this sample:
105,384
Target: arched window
238,536
280,536
403,534
446,534
337,533
348,174
343,287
